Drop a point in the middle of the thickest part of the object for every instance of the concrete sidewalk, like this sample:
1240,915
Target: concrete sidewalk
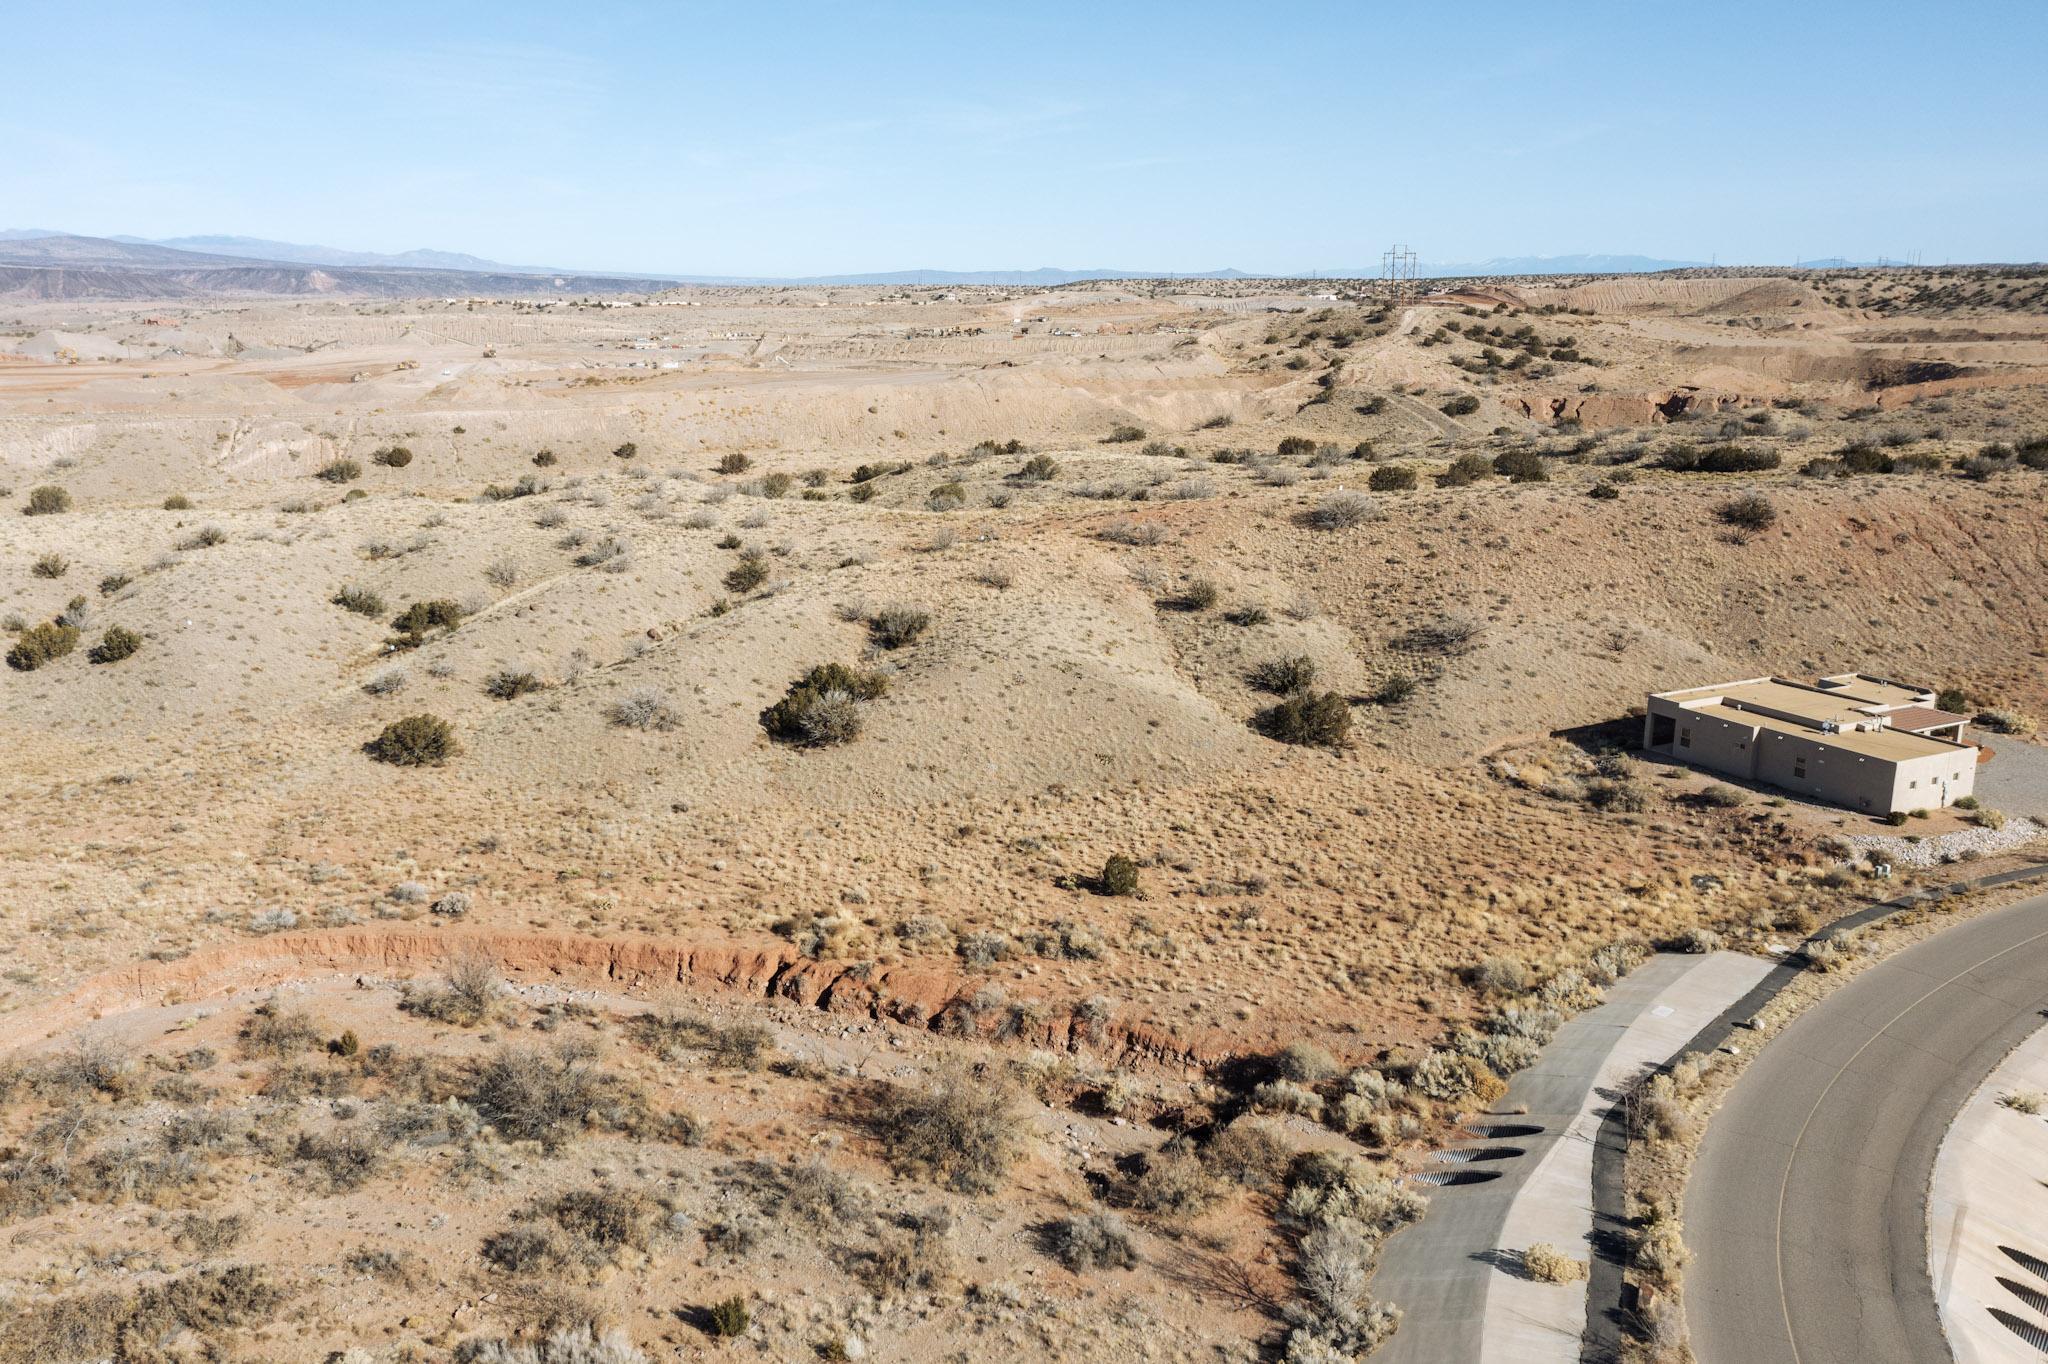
1988,1199
1456,1275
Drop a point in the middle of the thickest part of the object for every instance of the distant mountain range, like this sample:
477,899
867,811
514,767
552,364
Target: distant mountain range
37,262
48,265
259,248
1553,265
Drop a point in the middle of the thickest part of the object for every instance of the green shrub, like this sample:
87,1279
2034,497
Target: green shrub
1308,717
116,644
1038,469
1119,876
1464,405
1292,446
1123,434
776,485
415,741
47,500
422,616
1284,676
177,502
822,706
1720,459
1751,512
1522,466
1722,797
393,457
626,450
1398,687
360,600
892,627
729,1318
40,644
749,573
1464,471
51,565
734,463
1605,492
1201,594
545,459
113,583
1392,478
339,471
510,681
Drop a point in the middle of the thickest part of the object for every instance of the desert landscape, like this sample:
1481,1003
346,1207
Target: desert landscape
822,822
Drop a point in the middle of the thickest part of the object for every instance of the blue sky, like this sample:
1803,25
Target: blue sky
798,138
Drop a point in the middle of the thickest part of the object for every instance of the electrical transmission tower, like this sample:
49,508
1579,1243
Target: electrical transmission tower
1397,266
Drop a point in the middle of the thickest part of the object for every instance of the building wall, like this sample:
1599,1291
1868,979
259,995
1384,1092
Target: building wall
1811,767
1936,780
1704,740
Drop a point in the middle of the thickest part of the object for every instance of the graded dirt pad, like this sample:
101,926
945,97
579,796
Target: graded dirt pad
1094,522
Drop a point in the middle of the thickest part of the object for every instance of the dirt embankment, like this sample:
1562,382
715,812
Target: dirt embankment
938,1000
1627,409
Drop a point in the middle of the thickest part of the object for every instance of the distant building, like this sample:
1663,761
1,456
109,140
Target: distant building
1867,743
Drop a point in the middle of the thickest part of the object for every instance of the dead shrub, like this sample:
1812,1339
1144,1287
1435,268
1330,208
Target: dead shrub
1545,1263
961,1129
1095,1240
466,996
912,1253
278,1032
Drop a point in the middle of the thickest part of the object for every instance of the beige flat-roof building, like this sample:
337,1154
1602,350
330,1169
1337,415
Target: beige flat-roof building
1868,743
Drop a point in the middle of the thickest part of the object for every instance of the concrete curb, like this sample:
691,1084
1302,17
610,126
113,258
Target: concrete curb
1606,1311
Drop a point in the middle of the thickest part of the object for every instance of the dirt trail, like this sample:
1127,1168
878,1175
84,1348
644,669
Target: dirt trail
937,1000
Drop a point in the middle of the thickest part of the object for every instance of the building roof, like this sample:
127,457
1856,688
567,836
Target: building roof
1892,745
1806,703
1877,691
1917,718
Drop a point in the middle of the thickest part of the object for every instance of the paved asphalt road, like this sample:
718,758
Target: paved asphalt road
1807,1212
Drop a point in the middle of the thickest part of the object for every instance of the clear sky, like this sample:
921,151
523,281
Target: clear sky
799,138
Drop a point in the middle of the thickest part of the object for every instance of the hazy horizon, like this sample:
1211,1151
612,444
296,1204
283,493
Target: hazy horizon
813,140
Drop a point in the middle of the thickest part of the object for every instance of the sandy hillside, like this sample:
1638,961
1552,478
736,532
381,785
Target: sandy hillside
1065,541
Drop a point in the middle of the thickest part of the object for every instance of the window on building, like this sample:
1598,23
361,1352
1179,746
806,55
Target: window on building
1799,767
1685,737
1913,785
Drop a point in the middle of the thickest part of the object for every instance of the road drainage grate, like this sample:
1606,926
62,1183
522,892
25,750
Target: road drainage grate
2021,1327
2033,1264
2032,1297
1444,1178
1470,1154
1501,1130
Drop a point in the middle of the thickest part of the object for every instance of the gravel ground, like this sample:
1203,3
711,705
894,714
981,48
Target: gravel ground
2016,778
1932,852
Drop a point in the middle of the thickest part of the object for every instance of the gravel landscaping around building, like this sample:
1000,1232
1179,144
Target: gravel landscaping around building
1932,852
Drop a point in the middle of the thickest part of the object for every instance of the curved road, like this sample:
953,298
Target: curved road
1807,1211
